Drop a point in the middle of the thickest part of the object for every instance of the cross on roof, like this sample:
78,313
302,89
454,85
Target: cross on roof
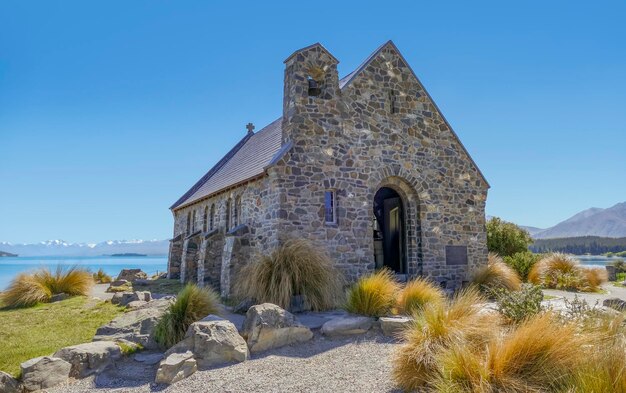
250,127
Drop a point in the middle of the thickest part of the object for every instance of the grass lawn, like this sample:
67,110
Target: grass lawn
41,330
161,286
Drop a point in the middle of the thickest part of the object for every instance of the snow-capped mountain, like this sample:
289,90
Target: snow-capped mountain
63,248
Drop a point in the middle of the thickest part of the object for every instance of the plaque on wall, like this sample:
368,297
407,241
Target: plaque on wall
456,255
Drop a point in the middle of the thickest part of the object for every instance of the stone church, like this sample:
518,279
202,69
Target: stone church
365,166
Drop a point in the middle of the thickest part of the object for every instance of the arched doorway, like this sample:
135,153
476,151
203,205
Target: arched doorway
389,231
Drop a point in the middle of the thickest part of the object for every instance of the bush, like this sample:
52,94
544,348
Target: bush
620,265
505,238
192,304
295,268
101,277
496,274
439,327
522,263
561,271
418,293
519,305
373,295
28,289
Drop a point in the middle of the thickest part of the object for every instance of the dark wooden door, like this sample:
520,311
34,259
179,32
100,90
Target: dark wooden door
392,234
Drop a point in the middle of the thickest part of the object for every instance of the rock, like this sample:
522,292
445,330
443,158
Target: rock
141,282
136,304
213,341
175,367
44,372
89,358
119,283
8,384
136,326
132,275
392,326
59,297
124,298
148,358
615,303
244,306
347,325
269,326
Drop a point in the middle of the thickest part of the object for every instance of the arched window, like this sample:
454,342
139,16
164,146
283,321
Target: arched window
205,219
228,204
237,213
188,222
212,218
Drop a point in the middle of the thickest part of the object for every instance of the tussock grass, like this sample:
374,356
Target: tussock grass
561,271
192,304
28,289
496,274
439,327
416,294
373,295
295,268
101,277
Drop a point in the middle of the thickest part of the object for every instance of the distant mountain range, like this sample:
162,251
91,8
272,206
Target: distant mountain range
609,222
62,248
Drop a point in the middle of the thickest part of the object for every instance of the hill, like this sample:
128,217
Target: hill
62,248
580,245
610,222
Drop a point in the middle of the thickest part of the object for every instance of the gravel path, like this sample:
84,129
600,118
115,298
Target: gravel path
360,365
610,291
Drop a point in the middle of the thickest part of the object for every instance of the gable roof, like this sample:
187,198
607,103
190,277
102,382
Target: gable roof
255,152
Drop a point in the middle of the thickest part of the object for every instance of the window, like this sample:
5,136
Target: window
193,221
392,102
329,207
314,87
237,213
212,222
188,222
205,219
228,204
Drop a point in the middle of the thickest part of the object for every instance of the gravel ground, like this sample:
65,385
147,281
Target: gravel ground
357,364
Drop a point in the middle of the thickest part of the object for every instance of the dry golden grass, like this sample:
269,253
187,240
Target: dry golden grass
28,289
101,277
561,271
496,274
295,268
416,294
439,327
373,295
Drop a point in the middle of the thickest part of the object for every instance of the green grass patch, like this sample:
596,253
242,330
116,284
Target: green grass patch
44,328
162,286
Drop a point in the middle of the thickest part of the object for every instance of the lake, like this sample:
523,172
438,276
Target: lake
11,266
595,260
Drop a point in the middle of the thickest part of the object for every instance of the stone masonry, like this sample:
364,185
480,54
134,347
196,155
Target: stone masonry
375,128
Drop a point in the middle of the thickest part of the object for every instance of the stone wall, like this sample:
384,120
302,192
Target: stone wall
381,129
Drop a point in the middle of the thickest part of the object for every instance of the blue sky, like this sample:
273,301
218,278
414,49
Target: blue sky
110,110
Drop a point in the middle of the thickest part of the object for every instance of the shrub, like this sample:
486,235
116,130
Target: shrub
519,305
101,277
439,327
416,294
522,263
505,238
295,268
620,265
496,274
561,271
28,289
192,304
373,295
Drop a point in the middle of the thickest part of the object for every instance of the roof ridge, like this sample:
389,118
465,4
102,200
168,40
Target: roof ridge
213,170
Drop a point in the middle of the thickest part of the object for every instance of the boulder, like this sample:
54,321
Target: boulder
393,326
124,298
175,367
131,275
119,283
268,326
44,372
136,304
59,297
8,384
244,306
89,358
347,325
136,326
148,358
213,341
615,303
